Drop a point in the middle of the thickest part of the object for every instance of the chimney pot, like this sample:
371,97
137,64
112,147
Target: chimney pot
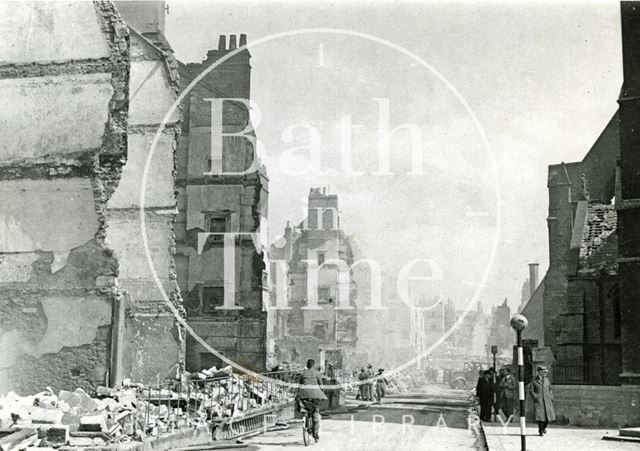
232,42
243,40
222,43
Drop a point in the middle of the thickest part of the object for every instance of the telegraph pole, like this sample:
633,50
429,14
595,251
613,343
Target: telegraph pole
519,323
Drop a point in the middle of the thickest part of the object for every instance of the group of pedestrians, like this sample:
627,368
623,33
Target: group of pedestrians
497,394
365,385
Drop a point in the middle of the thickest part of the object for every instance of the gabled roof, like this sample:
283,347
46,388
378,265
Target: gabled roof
159,44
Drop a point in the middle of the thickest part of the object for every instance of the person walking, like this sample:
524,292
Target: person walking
369,384
542,395
362,389
508,388
381,386
485,390
310,395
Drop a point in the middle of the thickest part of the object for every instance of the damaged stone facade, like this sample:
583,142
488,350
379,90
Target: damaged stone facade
70,266
222,192
581,305
325,331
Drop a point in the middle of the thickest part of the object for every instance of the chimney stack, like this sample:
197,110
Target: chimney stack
243,40
233,77
533,278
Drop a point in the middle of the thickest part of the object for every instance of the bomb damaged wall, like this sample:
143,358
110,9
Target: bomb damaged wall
66,116
79,306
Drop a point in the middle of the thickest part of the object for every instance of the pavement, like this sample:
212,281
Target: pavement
558,438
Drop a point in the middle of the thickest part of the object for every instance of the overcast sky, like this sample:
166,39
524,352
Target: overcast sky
542,79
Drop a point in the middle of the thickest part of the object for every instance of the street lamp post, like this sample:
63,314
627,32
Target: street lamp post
494,351
519,323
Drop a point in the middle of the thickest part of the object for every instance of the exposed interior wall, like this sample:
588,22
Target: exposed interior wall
66,109
149,346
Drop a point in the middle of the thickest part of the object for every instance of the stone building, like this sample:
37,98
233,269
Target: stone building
321,317
628,197
83,96
580,305
589,305
222,209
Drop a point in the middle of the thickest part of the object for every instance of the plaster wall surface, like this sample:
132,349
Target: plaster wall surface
152,342
16,267
124,237
70,112
67,324
159,190
50,31
63,77
149,82
65,206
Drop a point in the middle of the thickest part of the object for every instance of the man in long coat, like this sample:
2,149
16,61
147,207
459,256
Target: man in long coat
508,388
542,395
485,389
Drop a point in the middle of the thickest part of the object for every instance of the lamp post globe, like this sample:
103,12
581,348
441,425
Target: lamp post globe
519,322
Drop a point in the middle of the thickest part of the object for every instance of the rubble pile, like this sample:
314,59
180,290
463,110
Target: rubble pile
133,412
397,383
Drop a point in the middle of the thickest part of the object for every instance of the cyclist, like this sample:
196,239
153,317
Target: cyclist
310,395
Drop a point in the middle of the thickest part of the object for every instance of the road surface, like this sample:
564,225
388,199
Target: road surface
432,419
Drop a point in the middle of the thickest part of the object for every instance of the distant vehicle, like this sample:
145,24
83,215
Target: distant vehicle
465,377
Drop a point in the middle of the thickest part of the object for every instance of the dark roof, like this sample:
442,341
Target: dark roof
600,223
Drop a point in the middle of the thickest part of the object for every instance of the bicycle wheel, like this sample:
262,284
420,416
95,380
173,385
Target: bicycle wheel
305,430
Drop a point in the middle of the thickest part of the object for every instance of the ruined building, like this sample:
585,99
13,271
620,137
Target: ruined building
83,97
501,334
385,337
221,225
321,315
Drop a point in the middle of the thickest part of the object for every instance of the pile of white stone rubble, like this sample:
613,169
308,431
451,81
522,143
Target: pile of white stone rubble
130,412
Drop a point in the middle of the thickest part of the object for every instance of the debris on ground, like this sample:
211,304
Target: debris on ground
132,411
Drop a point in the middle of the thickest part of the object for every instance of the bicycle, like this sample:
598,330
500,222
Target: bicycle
307,427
